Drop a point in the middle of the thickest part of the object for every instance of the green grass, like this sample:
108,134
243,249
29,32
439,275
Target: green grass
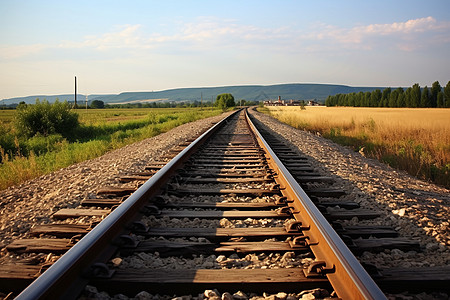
7,115
101,131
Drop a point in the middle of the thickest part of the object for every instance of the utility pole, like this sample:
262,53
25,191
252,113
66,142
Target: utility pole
201,101
86,100
75,105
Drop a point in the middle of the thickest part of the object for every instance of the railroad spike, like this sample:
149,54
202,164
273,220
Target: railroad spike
150,210
75,239
126,241
99,270
298,241
284,210
318,269
281,201
158,201
293,226
138,227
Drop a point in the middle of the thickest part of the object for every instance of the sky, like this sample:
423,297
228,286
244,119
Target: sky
118,46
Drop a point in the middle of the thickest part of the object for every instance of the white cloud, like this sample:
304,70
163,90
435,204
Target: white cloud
417,25
208,29
205,32
126,37
210,34
405,36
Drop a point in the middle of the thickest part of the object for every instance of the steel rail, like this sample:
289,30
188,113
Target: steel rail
349,279
59,280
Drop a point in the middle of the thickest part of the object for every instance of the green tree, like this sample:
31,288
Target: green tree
447,95
425,98
440,99
385,97
351,99
45,118
408,97
366,101
401,102
435,89
393,96
375,98
359,99
224,101
97,104
415,95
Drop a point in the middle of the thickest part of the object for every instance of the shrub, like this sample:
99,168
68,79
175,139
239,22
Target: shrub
45,119
7,142
39,144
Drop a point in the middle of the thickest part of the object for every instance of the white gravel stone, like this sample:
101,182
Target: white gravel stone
227,296
210,293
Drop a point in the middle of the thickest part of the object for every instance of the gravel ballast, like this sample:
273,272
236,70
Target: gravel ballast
416,209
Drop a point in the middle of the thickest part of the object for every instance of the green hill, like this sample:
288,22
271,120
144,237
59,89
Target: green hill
50,98
296,91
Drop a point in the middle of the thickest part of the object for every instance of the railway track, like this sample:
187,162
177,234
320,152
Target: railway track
226,213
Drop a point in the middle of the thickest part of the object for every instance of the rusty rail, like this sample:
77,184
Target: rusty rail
333,258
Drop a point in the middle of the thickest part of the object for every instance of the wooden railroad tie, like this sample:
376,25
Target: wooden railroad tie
195,281
179,191
117,191
169,248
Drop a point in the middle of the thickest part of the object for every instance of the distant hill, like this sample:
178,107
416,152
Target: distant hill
297,91
50,98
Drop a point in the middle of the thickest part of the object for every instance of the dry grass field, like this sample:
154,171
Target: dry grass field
415,140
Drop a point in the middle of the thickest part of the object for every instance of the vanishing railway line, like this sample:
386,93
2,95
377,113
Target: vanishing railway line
228,212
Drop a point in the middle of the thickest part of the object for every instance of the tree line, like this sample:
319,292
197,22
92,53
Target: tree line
414,96
156,104
159,104
222,101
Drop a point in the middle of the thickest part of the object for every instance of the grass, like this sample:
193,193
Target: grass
7,115
102,130
415,140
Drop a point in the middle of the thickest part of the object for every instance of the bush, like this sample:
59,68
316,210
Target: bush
39,144
45,119
7,139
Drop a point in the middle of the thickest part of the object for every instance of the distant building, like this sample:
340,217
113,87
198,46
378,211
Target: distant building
294,103
280,102
313,103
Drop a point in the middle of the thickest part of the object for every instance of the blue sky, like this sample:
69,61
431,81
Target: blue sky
117,46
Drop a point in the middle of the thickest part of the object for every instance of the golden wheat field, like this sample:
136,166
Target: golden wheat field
413,139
